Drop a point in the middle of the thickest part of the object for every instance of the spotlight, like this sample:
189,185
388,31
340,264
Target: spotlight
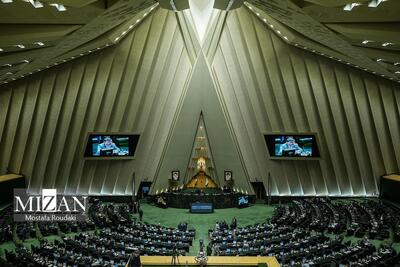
350,6
375,3
59,7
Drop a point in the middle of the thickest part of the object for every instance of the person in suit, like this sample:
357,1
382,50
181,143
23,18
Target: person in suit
234,223
140,214
134,260
107,144
290,148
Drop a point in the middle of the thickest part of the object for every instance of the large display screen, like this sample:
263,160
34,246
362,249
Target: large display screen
111,146
292,145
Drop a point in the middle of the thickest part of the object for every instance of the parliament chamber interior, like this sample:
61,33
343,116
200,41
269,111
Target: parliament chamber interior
199,133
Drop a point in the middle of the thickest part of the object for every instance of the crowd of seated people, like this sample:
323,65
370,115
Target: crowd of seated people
183,226
108,238
223,225
300,234
6,225
25,230
358,218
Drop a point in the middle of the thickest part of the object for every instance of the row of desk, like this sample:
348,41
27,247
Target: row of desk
212,261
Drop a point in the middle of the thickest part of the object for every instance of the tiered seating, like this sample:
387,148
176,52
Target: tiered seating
26,230
296,234
367,218
114,238
5,224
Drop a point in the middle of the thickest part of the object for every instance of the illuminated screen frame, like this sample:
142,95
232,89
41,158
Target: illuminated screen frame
87,146
318,151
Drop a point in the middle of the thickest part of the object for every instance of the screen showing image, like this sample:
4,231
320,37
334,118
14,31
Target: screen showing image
175,175
111,145
243,200
145,189
292,146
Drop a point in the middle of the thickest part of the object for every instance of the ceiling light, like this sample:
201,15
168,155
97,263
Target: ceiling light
9,73
350,6
1,50
284,37
25,60
379,60
387,44
7,1
397,63
116,39
366,41
130,26
36,3
138,20
278,32
375,3
397,72
7,65
59,7
20,46
39,43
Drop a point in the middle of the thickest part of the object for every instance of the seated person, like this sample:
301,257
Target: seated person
107,148
290,148
161,202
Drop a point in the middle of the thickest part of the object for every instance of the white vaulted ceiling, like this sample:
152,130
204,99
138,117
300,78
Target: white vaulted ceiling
267,66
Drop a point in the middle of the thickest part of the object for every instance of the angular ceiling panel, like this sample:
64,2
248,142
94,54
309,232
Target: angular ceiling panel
201,97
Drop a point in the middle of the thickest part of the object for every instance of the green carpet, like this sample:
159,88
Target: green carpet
202,222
